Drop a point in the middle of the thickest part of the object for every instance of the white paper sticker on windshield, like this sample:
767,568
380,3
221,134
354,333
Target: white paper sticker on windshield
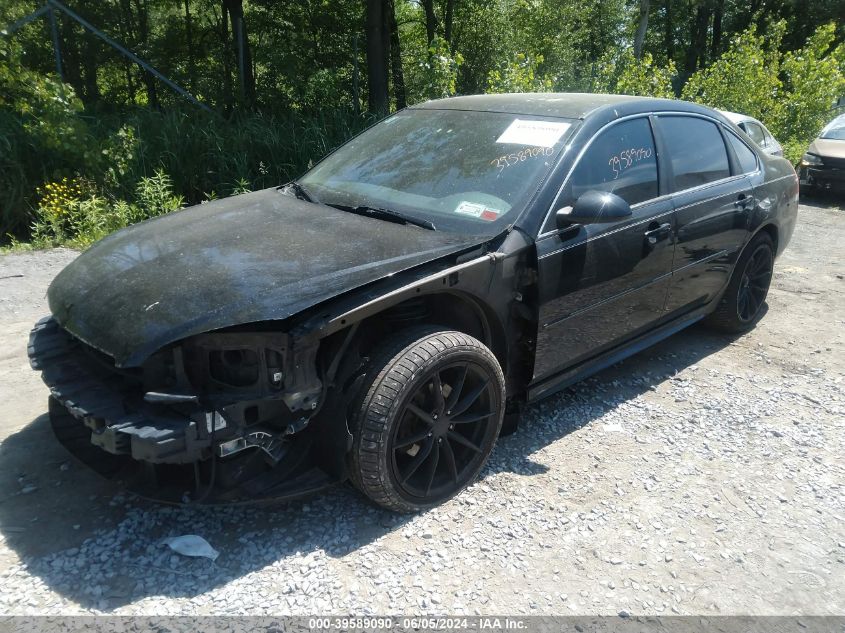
535,133
477,210
470,208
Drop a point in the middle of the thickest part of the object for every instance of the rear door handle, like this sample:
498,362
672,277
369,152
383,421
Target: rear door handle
654,235
744,201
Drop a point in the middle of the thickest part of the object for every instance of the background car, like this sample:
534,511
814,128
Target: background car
823,164
756,131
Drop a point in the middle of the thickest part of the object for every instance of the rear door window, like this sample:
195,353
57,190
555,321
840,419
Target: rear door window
621,160
695,150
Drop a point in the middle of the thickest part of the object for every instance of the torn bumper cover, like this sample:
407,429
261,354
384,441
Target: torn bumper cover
178,447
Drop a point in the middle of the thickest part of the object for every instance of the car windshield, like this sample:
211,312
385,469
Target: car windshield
465,171
835,130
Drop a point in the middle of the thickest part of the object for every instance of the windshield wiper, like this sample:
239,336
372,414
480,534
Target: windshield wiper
386,214
298,190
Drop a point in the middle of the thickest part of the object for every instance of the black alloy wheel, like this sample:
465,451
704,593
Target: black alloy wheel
438,441
428,420
754,285
742,303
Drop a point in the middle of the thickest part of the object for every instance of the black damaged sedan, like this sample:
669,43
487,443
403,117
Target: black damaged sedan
384,318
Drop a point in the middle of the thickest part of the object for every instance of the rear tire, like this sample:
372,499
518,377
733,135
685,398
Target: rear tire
427,419
742,304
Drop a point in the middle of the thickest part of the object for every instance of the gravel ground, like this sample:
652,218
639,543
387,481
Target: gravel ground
702,476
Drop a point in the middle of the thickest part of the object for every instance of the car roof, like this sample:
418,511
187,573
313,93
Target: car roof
570,105
837,120
736,117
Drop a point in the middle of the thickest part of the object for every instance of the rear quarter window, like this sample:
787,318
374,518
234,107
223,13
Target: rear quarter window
755,132
747,158
695,150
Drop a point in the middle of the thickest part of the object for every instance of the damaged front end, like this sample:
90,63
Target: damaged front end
218,417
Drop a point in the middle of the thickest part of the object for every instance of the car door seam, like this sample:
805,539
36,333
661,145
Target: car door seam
608,233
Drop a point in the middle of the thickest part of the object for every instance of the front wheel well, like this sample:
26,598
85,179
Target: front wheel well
451,310
345,356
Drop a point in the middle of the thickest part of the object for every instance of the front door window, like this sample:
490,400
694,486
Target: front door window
622,160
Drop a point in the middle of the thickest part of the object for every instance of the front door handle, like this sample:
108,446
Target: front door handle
658,233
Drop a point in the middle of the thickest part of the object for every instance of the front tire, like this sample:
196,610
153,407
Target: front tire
742,305
428,418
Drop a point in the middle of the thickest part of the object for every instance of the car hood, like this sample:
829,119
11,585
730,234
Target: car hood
831,148
254,257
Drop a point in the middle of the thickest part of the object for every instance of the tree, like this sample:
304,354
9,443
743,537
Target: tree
793,91
697,48
668,30
752,60
814,77
240,45
519,75
623,73
396,58
378,46
642,25
448,19
440,70
430,21
716,38
142,16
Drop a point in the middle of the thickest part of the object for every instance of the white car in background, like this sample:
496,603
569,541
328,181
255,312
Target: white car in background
756,131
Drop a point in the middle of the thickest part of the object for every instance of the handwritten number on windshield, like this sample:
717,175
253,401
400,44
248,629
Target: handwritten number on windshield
508,160
628,157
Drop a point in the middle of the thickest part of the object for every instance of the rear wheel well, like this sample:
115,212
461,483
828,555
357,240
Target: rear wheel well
772,232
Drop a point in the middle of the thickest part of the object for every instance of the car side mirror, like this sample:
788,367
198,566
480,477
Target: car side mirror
593,207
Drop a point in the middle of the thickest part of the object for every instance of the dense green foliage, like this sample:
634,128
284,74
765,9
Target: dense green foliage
287,81
624,74
792,92
110,158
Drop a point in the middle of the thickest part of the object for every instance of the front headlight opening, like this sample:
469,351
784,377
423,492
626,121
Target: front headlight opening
808,160
235,367
253,362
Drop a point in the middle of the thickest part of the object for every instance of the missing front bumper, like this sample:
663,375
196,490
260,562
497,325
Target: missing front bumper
823,177
119,422
161,452
242,479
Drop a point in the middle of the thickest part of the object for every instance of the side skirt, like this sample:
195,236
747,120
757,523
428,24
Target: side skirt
570,376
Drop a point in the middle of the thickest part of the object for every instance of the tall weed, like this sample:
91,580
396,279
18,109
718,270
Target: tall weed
133,156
